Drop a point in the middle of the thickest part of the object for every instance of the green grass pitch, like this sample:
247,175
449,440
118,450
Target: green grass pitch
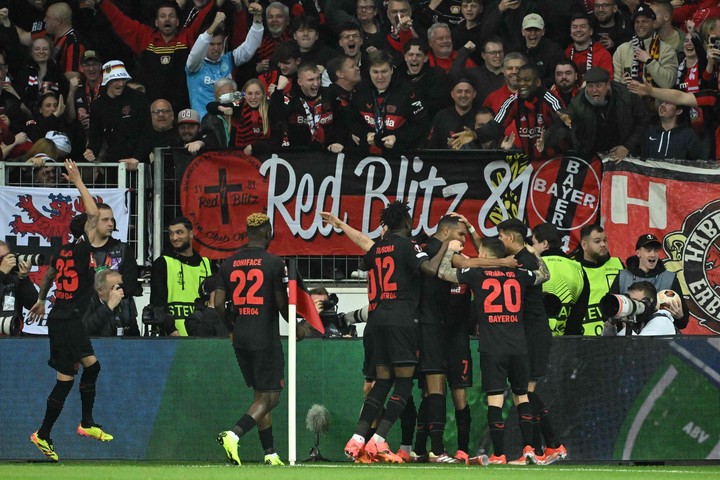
112,470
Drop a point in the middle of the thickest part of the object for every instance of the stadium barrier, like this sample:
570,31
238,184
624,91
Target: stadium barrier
612,399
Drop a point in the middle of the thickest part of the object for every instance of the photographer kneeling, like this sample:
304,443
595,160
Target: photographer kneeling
107,315
16,291
642,313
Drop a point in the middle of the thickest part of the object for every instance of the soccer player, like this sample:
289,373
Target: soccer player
499,297
512,234
69,341
394,296
255,281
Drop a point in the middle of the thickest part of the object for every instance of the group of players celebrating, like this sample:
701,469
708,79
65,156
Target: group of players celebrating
412,309
419,303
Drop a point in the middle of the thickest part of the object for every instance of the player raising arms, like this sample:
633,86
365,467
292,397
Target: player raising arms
69,341
499,294
394,297
255,281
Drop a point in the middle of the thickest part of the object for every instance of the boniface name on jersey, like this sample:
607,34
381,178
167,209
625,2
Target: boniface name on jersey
247,262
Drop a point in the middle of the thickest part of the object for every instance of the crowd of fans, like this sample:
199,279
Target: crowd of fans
110,80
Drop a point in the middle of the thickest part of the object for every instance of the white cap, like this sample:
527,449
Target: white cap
533,20
61,141
114,70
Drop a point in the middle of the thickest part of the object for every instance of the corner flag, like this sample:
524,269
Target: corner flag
299,296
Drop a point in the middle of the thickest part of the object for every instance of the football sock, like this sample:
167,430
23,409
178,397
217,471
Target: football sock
436,422
55,403
372,405
421,432
543,413
463,420
526,427
244,425
88,379
497,429
396,404
266,440
407,422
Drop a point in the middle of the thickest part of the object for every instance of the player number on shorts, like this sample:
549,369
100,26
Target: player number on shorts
253,280
511,295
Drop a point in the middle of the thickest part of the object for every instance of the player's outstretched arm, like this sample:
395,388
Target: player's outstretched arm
542,274
358,237
73,176
446,271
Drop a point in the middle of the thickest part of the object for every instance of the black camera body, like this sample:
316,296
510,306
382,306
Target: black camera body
334,322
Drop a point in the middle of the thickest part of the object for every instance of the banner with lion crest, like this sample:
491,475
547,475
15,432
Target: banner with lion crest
37,221
679,202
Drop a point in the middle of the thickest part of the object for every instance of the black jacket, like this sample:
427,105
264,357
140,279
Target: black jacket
122,122
680,142
100,321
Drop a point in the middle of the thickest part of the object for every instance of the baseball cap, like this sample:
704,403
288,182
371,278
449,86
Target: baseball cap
61,140
644,10
114,70
188,116
533,20
597,75
90,55
647,239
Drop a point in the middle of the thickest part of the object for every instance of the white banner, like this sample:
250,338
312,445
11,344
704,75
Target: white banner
37,220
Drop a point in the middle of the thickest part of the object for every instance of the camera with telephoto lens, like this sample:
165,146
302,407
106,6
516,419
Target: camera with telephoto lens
624,308
10,324
34,259
231,97
334,322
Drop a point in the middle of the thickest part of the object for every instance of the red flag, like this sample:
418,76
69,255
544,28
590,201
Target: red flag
299,296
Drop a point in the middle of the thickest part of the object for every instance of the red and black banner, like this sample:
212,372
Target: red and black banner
679,202
300,297
220,189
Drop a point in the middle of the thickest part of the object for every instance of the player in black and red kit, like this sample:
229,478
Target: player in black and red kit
394,296
255,282
539,339
499,298
69,341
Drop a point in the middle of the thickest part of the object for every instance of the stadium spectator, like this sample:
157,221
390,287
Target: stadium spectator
603,117
304,117
565,86
248,118
277,19
538,50
431,84
49,116
177,274
306,33
400,16
388,115
510,67
188,129
207,62
488,77
40,75
504,18
442,53
585,52
566,293
89,88
601,270
162,50
645,57
453,119
611,27
69,47
373,30
671,137
646,266
440,11
344,74
162,133
118,118
255,331
469,29
106,315
669,34
350,40
657,319
284,64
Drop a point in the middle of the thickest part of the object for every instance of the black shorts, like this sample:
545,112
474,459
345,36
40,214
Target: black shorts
431,342
368,360
69,343
263,370
459,358
394,345
498,369
539,342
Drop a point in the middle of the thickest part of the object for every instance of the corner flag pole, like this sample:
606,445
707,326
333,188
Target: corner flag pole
292,362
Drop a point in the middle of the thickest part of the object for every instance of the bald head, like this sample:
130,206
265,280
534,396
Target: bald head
58,19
